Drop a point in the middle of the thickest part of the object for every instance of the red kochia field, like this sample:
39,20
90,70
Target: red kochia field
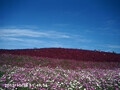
59,69
63,53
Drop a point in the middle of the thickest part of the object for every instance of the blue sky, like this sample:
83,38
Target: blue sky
82,24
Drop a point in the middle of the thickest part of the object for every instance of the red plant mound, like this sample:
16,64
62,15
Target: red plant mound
64,53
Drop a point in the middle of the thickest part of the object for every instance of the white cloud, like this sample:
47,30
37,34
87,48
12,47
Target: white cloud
22,27
83,40
21,32
14,33
114,46
110,46
23,40
32,33
32,42
11,39
31,37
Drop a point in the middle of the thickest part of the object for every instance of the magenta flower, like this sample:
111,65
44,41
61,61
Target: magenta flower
69,78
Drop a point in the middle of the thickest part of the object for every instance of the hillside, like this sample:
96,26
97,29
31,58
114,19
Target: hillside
64,53
23,71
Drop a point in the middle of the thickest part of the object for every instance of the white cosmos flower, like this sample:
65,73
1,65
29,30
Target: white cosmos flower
78,83
25,84
75,80
38,85
45,85
98,85
80,87
70,89
61,82
47,80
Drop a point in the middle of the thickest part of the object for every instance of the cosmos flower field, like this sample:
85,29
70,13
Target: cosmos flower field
25,70
37,73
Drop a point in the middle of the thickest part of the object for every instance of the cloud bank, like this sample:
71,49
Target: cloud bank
32,33
31,37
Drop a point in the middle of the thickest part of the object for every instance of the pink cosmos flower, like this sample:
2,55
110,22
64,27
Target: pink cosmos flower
60,79
31,87
69,78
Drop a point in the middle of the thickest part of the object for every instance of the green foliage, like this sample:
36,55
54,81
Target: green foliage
23,88
34,82
1,73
